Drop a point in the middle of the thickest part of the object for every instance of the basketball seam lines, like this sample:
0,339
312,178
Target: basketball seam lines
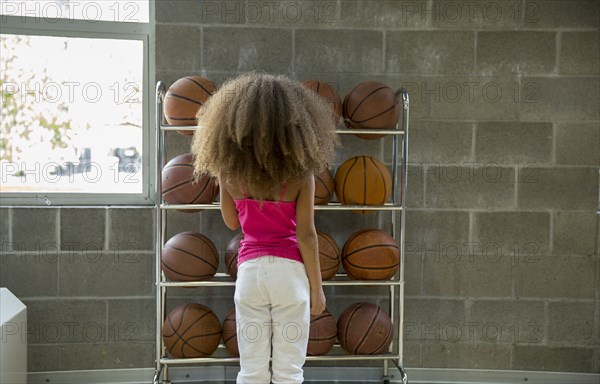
186,99
344,182
348,322
374,116
363,100
200,85
393,245
197,257
198,277
364,336
382,178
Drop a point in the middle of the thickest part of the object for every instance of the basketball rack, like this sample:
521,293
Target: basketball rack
395,284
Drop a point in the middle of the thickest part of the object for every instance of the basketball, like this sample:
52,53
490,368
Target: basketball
324,187
322,334
329,255
363,180
184,98
231,255
191,330
365,329
179,186
230,334
328,93
371,254
371,105
189,256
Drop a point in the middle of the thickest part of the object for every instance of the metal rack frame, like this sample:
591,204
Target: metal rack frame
395,284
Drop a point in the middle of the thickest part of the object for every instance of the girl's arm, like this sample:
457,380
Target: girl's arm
308,244
228,210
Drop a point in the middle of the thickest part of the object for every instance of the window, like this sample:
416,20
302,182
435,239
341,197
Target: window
76,111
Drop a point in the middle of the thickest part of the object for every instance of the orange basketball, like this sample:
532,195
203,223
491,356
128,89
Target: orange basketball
184,99
365,329
230,334
189,256
324,187
179,187
191,330
371,105
322,334
328,93
231,255
329,255
363,180
371,254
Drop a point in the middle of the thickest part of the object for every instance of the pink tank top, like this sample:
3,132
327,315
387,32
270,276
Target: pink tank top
269,229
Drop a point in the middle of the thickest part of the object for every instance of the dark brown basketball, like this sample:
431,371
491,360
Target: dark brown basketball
365,329
179,187
230,334
371,254
324,187
231,255
329,255
363,180
328,93
371,105
184,99
322,335
191,330
189,256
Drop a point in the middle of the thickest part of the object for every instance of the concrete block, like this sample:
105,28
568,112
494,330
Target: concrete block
329,51
457,271
574,233
201,12
131,229
430,52
30,275
411,356
80,228
247,49
521,235
512,322
473,98
499,14
516,52
415,195
106,356
178,47
413,272
383,14
131,320
128,271
4,233
578,98
572,323
558,188
294,14
436,142
513,143
429,232
66,321
554,14
577,144
470,356
41,358
580,53
176,144
34,229
354,146
178,222
469,186
556,277
544,358
434,321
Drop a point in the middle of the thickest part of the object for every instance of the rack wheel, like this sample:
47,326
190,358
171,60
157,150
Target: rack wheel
386,381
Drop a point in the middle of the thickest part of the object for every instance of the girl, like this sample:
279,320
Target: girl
264,138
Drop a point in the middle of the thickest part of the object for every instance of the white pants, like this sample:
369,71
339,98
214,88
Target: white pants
272,308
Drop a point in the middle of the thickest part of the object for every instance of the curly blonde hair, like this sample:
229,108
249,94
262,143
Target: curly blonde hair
260,130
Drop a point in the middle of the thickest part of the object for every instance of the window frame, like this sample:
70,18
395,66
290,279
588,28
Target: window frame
37,26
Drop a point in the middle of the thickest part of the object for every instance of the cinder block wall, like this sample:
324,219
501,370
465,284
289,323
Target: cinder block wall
501,267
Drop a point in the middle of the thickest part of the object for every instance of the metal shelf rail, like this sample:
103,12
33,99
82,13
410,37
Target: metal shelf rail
396,284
